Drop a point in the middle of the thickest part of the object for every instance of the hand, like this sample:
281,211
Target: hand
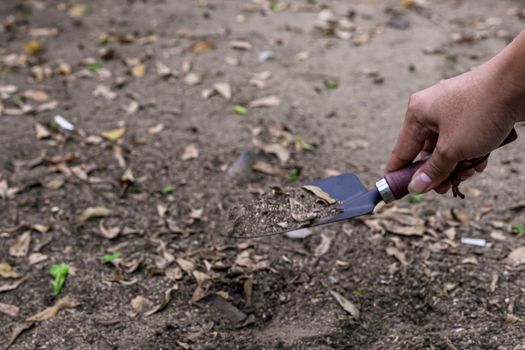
461,118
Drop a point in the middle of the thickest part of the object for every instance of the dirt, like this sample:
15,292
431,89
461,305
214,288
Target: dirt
280,210
345,97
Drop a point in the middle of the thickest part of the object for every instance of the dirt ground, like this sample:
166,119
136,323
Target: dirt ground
164,155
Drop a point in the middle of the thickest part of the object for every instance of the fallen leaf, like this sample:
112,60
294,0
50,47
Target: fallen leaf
270,101
174,273
324,246
114,134
6,271
241,45
201,46
266,168
347,305
192,79
9,310
186,265
223,89
21,245
36,95
41,131
190,152
417,230
273,148
36,258
49,32
64,303
156,129
163,71
516,257
12,286
132,107
33,47
18,329
140,304
320,193
104,91
78,10
227,309
168,295
93,212
109,233
396,253
139,70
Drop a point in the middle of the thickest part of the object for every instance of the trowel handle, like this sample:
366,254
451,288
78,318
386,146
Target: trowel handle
395,184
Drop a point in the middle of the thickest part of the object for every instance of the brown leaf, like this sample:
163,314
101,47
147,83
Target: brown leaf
396,253
190,152
198,294
347,305
200,277
516,257
36,95
93,212
36,258
186,265
140,304
21,245
240,45
174,273
201,46
266,168
12,286
139,70
404,230
6,271
273,148
324,246
168,295
223,89
156,129
9,310
270,101
320,193
109,233
113,135
17,330
64,303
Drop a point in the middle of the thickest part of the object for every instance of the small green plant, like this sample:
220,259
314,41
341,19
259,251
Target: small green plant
416,198
59,273
240,110
303,145
167,190
519,228
331,84
94,67
109,257
294,175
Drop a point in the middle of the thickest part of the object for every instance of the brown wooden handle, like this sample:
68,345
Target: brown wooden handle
398,180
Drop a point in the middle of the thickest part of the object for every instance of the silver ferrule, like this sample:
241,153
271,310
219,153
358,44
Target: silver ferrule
384,191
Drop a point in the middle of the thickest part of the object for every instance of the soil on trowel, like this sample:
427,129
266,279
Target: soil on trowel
281,210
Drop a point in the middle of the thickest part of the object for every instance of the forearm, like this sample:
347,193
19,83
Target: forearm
507,70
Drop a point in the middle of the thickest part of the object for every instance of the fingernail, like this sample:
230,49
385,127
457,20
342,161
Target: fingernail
419,183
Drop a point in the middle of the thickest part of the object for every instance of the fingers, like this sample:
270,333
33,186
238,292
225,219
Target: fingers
434,172
409,143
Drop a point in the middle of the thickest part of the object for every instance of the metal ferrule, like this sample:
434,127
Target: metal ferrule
384,191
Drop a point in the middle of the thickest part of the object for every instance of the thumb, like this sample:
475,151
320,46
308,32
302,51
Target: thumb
435,171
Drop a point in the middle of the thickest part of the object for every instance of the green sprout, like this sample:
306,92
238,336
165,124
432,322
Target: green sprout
294,175
109,257
240,110
416,198
59,273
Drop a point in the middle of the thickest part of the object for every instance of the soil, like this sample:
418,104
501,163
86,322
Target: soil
279,211
345,97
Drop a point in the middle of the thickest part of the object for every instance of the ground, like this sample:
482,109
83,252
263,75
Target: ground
177,159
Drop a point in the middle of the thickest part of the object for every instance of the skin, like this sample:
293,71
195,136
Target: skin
464,117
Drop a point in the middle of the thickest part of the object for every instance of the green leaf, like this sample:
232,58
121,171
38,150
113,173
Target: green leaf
241,110
59,273
94,67
416,198
303,145
167,190
103,41
273,5
519,228
109,257
17,99
331,84
294,175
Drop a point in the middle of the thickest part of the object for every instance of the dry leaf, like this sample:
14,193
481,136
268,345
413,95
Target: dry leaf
320,193
516,257
240,45
266,168
223,89
33,47
6,271
190,152
9,310
324,246
78,10
192,79
140,304
139,70
347,305
201,46
417,230
156,129
200,277
109,233
174,273
198,294
36,95
273,148
21,245
18,329
104,91
113,135
36,258
186,265
270,101
12,286
93,212
64,303
163,71
396,253
168,295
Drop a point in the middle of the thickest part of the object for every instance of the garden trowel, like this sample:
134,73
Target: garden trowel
348,196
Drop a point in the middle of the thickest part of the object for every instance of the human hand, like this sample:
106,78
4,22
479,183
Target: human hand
461,118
